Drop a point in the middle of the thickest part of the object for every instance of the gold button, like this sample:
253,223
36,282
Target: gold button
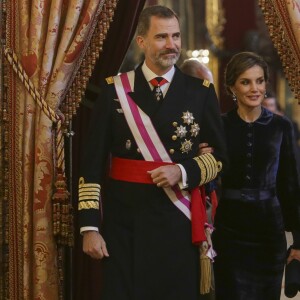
175,124
171,151
138,150
174,137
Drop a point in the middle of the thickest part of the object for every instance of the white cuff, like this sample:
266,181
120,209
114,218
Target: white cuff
88,228
183,183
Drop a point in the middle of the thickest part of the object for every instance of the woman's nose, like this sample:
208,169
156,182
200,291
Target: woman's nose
254,87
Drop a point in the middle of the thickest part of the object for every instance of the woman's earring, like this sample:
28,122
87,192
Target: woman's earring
234,97
266,96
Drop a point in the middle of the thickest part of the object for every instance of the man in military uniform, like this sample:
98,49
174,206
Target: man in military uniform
147,133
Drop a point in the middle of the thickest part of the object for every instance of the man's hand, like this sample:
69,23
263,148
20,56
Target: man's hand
295,254
94,245
166,176
204,148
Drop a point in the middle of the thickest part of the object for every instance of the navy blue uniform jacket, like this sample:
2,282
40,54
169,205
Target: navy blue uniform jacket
148,238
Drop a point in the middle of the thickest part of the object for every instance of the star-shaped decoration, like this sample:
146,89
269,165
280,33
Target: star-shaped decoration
186,146
188,118
194,129
181,131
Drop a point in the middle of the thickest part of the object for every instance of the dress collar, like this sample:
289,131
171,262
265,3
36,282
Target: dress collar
264,118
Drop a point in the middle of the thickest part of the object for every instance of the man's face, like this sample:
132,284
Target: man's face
161,44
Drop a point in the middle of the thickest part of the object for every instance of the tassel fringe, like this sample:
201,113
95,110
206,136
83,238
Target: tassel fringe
206,270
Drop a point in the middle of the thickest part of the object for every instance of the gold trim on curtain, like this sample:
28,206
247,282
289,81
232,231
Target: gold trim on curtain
50,39
3,180
282,18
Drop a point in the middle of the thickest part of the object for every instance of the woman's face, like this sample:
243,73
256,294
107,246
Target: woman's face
250,87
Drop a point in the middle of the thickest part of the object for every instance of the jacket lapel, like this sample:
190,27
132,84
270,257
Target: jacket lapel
173,99
142,95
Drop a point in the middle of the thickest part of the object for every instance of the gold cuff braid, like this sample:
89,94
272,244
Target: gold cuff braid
208,166
202,169
89,195
88,205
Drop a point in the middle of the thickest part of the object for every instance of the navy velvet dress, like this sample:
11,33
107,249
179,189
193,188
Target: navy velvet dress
260,200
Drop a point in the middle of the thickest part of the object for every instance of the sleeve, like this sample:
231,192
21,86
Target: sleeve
296,239
204,168
288,189
94,162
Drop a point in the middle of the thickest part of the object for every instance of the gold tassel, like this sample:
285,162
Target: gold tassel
62,213
206,270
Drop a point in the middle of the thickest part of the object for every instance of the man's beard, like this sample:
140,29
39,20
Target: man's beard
169,61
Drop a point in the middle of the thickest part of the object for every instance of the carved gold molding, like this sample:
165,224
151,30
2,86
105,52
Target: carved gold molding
215,20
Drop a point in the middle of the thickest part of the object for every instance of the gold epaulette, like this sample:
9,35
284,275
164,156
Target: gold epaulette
206,83
208,166
89,195
109,80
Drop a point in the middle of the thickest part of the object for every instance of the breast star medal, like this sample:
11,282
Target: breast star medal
181,131
188,118
194,129
186,146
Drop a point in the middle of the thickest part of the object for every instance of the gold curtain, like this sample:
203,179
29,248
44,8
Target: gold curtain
51,47
282,18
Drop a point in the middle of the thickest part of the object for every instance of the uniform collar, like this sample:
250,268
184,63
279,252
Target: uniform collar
150,75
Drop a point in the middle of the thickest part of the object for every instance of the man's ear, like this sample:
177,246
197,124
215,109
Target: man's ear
140,41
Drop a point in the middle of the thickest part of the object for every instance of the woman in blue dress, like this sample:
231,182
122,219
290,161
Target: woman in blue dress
260,190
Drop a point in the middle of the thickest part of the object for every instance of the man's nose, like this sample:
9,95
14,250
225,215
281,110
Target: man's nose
170,43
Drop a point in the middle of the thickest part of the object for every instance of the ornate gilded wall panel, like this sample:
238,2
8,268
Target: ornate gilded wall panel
215,20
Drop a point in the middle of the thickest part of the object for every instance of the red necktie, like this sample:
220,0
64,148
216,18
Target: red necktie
157,82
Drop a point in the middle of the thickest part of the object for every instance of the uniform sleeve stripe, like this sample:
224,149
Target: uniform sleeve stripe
96,198
88,205
86,193
209,167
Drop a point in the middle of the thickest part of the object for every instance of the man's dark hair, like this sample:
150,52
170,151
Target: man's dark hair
153,11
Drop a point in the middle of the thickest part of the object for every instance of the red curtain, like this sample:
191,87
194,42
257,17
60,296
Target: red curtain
86,272
46,45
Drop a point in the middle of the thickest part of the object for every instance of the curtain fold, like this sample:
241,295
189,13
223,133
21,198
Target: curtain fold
282,18
46,42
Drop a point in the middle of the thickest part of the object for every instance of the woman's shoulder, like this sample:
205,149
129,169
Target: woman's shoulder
282,119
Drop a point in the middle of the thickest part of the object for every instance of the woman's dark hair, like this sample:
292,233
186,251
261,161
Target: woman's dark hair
153,11
241,62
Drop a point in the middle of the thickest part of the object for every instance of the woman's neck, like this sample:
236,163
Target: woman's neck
249,115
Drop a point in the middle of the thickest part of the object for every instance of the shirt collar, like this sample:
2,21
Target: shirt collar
150,75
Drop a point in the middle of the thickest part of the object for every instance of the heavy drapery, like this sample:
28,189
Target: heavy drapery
282,18
50,50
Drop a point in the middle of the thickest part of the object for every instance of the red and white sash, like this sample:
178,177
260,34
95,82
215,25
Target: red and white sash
147,138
